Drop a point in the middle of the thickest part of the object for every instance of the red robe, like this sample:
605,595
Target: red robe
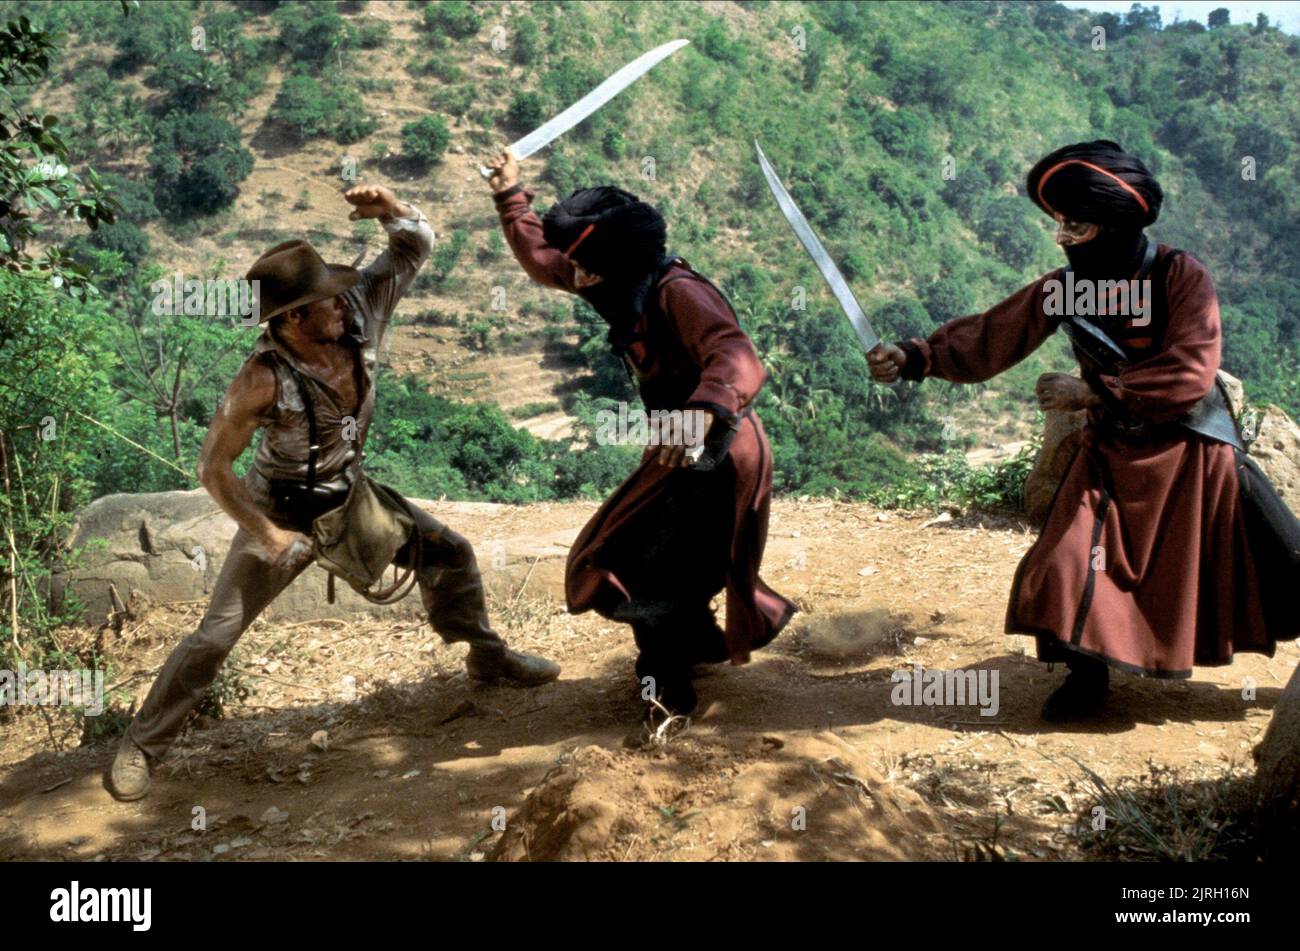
1143,559
690,352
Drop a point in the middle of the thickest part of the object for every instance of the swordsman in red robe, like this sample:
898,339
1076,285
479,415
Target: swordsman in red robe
673,535
1165,548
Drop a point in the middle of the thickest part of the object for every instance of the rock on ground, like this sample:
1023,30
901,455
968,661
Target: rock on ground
168,547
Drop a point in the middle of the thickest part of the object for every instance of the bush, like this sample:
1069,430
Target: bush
527,47
1003,223
947,298
307,105
150,39
451,18
904,134
901,318
612,143
716,44
122,237
313,33
435,318
455,100
221,78
442,261
197,164
527,111
372,35
427,446
443,68
353,127
568,79
134,198
529,410
426,139
313,108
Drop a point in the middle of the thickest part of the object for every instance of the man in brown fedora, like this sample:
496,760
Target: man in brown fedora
309,384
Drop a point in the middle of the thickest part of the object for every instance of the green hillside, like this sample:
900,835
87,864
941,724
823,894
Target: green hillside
862,107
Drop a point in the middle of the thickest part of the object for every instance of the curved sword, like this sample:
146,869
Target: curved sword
817,251
555,127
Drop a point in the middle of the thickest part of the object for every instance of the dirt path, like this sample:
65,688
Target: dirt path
419,763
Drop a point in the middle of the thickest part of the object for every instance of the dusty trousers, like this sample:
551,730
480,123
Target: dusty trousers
450,587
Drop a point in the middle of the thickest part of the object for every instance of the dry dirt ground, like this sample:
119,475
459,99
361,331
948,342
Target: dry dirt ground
362,740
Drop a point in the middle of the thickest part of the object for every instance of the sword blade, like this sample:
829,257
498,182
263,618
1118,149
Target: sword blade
817,251
555,127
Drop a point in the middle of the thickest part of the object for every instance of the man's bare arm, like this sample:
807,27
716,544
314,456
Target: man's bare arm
246,402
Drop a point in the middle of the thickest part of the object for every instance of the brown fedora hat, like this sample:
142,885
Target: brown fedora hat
293,274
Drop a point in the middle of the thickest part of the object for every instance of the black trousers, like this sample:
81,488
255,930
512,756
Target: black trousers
673,559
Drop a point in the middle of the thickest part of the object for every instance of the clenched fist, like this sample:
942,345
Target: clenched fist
375,201
886,362
505,171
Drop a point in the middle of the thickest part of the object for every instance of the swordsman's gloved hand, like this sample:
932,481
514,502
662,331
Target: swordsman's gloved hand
886,362
673,448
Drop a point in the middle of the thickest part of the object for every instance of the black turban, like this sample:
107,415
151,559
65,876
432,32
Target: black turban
608,231
1097,182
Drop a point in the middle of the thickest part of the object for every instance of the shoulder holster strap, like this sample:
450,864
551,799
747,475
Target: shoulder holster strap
313,452
399,588
313,435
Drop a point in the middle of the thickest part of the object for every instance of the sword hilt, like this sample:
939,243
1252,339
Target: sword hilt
894,384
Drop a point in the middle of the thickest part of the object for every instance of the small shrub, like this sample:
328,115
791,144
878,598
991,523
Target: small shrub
426,139
454,19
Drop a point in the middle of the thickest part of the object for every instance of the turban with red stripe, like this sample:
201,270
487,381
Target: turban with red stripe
608,231
1096,182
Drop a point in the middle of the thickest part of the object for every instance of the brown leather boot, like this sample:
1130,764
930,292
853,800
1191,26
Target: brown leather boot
521,669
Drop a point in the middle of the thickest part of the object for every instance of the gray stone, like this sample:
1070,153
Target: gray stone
1061,433
168,547
1277,451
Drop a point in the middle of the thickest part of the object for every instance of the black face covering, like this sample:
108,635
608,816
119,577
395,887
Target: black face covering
620,301
1113,255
